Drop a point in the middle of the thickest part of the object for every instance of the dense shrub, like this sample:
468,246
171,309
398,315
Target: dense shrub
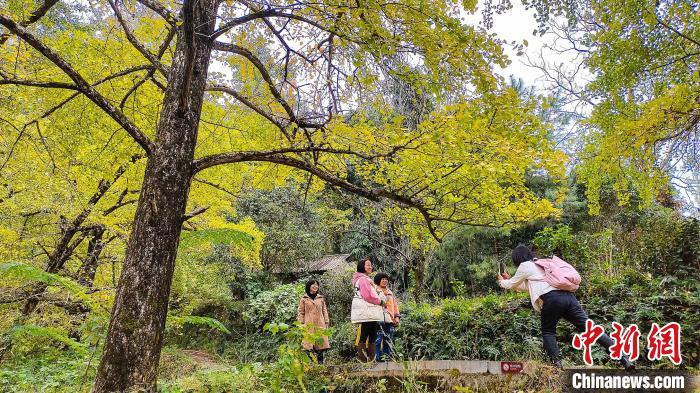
667,243
277,305
489,328
500,327
643,298
469,256
336,286
47,374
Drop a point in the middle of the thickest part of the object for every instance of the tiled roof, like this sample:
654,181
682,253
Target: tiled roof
325,263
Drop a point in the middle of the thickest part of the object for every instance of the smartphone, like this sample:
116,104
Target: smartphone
501,267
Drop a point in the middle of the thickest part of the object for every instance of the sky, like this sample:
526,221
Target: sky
517,25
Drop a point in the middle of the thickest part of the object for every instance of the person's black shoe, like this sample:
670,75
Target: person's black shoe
557,364
627,363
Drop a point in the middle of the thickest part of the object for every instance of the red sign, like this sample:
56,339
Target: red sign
511,367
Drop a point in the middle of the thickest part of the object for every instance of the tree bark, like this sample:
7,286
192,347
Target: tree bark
86,275
133,343
66,244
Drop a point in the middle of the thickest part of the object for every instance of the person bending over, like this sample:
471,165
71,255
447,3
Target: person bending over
552,304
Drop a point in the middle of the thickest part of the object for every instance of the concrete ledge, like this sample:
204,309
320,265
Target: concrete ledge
431,367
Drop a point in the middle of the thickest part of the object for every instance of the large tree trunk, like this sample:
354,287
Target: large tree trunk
133,344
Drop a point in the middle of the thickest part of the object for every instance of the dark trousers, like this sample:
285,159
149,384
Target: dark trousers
385,341
368,333
317,353
562,304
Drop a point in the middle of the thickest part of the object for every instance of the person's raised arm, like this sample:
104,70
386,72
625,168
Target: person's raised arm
519,280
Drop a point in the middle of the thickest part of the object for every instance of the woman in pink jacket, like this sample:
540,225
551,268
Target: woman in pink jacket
367,310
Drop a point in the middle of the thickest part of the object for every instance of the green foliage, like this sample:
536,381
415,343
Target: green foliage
480,153
213,381
28,273
57,373
336,287
466,328
642,56
278,305
643,298
292,371
552,240
656,240
296,225
211,323
668,243
209,261
31,338
293,363
452,330
469,256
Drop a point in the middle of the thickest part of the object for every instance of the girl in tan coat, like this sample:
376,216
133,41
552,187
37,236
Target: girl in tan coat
312,311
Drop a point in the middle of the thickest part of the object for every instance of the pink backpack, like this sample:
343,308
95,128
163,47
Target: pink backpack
559,274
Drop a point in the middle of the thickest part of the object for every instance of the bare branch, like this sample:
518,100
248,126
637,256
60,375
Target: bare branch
245,101
272,13
263,71
239,21
99,82
149,74
48,85
194,213
216,186
222,46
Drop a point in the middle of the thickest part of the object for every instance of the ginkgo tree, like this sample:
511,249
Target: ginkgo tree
280,89
642,124
647,121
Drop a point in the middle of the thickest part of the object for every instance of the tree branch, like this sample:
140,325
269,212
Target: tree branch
33,17
226,158
243,100
222,46
48,85
216,186
676,31
159,9
194,213
99,82
136,44
273,13
81,83
151,71
239,21
373,194
293,118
